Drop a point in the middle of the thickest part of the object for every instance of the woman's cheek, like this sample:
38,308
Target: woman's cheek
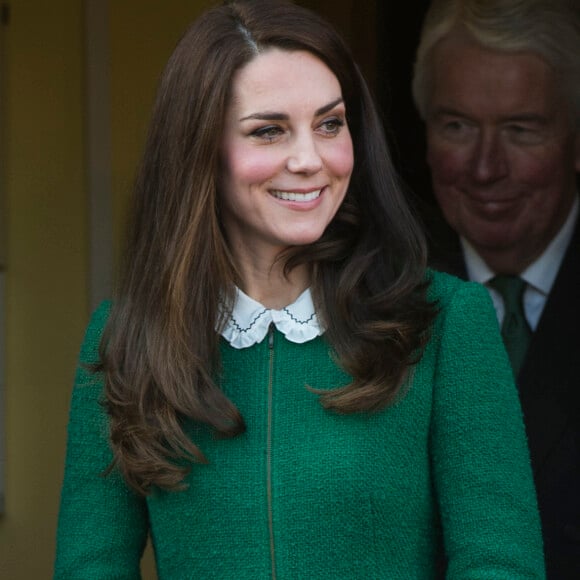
257,165
340,159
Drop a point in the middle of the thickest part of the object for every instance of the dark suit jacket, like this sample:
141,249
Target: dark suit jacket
549,386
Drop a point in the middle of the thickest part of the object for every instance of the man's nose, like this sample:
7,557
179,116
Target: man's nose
489,162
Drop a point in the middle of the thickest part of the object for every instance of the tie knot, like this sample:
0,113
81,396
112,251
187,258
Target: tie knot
511,289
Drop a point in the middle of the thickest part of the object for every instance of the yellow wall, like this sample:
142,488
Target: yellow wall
46,269
47,231
47,234
143,34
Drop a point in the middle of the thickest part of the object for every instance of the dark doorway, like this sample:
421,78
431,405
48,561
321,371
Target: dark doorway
399,29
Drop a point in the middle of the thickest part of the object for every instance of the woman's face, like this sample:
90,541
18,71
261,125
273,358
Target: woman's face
287,154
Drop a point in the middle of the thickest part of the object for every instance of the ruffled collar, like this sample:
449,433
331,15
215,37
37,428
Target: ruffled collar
249,321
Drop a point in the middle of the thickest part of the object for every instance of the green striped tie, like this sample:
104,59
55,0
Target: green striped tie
515,330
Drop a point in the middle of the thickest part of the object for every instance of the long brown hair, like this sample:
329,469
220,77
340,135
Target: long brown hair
160,349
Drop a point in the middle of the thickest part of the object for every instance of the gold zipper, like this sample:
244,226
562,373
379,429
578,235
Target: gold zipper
269,452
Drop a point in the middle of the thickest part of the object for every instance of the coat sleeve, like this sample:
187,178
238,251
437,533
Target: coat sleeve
479,450
102,525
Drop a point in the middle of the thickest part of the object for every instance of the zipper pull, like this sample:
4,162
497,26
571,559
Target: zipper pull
271,336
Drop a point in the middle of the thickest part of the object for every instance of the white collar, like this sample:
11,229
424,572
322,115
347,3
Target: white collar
542,272
249,321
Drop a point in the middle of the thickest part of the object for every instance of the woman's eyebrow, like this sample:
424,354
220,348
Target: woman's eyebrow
329,107
266,116
275,116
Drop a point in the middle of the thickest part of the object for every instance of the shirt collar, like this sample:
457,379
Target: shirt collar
248,322
542,272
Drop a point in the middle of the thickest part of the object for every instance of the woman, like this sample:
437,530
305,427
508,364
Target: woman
287,391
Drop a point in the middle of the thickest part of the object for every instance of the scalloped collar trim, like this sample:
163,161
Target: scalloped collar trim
249,321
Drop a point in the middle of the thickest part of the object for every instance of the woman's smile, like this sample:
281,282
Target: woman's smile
296,195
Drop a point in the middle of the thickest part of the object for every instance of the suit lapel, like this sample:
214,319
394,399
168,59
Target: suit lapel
549,381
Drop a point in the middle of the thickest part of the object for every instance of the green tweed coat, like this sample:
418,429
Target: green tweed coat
309,494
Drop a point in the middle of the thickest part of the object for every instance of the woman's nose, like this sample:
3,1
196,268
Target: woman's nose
304,156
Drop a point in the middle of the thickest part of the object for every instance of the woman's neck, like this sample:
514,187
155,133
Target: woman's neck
266,282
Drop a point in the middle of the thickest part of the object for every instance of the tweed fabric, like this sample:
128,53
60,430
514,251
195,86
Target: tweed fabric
352,496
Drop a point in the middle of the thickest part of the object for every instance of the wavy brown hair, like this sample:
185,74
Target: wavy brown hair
160,349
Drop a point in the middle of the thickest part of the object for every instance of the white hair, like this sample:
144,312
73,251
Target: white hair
548,28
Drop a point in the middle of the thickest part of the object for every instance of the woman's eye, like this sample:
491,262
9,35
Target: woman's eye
332,126
268,133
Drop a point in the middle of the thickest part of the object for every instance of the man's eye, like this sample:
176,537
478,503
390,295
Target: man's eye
454,126
520,130
524,135
455,130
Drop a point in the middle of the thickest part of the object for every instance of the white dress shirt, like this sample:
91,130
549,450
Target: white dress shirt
539,275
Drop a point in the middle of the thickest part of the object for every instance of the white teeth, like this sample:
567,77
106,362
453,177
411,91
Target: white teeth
294,196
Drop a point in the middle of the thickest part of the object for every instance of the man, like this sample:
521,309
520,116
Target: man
497,83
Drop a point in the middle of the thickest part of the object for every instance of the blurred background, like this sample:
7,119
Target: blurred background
77,81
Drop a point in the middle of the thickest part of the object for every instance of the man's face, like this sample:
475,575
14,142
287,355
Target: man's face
503,149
